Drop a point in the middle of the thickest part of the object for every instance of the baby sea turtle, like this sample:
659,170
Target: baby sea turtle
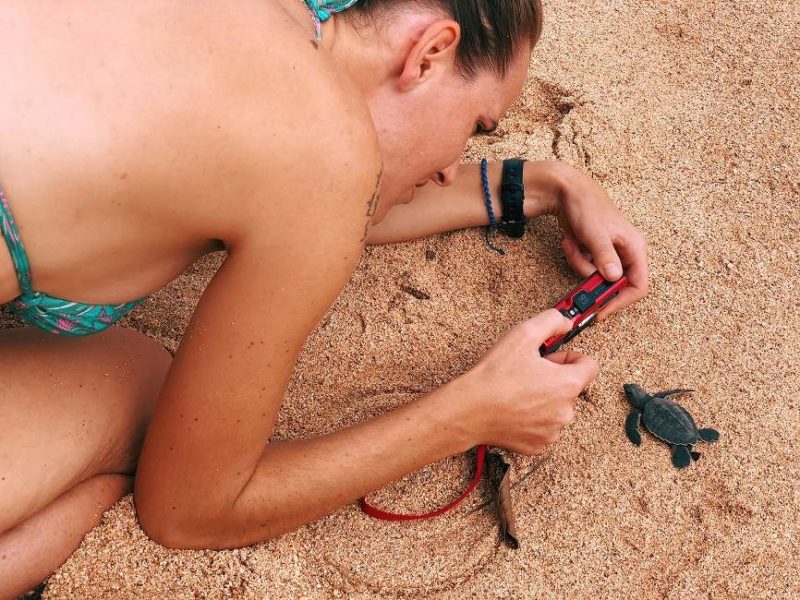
667,420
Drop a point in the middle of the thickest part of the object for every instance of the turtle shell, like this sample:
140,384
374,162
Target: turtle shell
670,422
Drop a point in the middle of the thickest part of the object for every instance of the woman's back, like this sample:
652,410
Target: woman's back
121,166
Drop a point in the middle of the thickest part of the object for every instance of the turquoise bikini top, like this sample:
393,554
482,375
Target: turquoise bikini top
43,311
322,11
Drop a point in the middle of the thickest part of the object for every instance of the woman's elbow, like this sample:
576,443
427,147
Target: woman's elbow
177,528
171,528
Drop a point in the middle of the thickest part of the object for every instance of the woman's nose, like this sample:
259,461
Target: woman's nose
446,176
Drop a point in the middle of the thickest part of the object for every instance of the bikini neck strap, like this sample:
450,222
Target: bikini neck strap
322,10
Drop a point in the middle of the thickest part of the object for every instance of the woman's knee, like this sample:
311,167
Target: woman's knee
136,370
71,409
137,363
117,366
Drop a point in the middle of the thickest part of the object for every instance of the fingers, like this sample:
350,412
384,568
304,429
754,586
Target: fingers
605,258
580,369
602,257
562,358
625,297
633,250
628,253
575,258
545,325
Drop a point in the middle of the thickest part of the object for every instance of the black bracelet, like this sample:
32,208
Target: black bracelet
512,198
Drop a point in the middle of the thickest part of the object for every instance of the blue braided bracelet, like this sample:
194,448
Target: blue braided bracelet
487,199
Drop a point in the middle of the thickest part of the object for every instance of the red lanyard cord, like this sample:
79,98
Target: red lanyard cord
387,516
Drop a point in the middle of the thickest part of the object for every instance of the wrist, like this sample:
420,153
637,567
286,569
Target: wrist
455,406
545,181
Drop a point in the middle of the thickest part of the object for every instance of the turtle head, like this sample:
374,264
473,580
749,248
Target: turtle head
636,395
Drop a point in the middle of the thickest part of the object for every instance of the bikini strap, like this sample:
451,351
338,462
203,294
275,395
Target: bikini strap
322,10
15,246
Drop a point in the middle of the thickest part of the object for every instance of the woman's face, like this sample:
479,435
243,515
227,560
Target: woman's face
423,131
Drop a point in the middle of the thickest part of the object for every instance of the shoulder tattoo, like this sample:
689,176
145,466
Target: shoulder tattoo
372,205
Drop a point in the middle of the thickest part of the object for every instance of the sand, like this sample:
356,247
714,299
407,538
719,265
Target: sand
688,112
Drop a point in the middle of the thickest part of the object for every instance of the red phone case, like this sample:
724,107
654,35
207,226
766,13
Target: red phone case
581,306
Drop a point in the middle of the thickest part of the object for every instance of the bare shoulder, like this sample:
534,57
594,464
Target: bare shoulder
302,133
305,151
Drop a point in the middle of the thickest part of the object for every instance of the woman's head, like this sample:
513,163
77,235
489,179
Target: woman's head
492,33
433,72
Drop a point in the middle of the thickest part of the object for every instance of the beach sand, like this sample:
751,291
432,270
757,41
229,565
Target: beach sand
688,113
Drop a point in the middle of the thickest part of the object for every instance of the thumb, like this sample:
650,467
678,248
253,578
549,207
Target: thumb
547,324
584,368
607,261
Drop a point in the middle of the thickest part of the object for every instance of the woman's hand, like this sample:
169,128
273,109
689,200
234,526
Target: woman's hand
523,400
598,237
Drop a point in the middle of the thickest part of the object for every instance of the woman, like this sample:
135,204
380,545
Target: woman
139,136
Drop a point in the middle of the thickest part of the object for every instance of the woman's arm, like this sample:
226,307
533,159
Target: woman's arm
207,476
461,205
597,237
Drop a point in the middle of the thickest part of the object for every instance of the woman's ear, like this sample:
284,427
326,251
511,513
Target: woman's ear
433,53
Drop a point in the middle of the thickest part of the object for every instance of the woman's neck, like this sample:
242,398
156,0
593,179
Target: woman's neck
356,53
370,57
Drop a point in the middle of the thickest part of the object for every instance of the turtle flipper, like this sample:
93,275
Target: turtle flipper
708,435
632,427
681,457
669,393
636,395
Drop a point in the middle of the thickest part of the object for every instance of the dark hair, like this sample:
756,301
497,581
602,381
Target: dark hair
492,31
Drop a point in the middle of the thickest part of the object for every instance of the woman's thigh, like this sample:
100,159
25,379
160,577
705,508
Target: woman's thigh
71,408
